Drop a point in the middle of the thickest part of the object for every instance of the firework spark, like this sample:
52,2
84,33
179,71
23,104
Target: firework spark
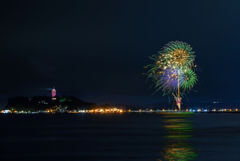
172,68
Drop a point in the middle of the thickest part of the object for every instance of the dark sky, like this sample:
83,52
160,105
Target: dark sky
96,49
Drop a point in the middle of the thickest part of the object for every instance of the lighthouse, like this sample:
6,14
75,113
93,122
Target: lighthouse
54,93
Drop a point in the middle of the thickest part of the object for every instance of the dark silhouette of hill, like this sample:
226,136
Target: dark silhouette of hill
37,103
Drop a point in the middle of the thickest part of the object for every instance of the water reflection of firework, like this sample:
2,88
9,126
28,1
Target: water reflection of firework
178,132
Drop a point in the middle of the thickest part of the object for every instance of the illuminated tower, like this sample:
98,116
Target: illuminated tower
54,93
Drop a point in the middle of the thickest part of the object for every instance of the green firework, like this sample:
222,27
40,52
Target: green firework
190,79
173,67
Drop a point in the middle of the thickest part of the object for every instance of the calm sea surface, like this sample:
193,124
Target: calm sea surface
125,137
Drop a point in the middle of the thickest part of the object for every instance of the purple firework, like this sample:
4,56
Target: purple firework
169,78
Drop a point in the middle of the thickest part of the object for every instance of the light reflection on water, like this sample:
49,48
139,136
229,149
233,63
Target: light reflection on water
178,127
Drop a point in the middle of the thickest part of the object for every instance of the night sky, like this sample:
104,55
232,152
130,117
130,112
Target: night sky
96,50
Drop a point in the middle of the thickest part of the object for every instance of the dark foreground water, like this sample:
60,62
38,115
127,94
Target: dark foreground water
126,137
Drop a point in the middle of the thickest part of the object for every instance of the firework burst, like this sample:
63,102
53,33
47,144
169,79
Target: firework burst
172,68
